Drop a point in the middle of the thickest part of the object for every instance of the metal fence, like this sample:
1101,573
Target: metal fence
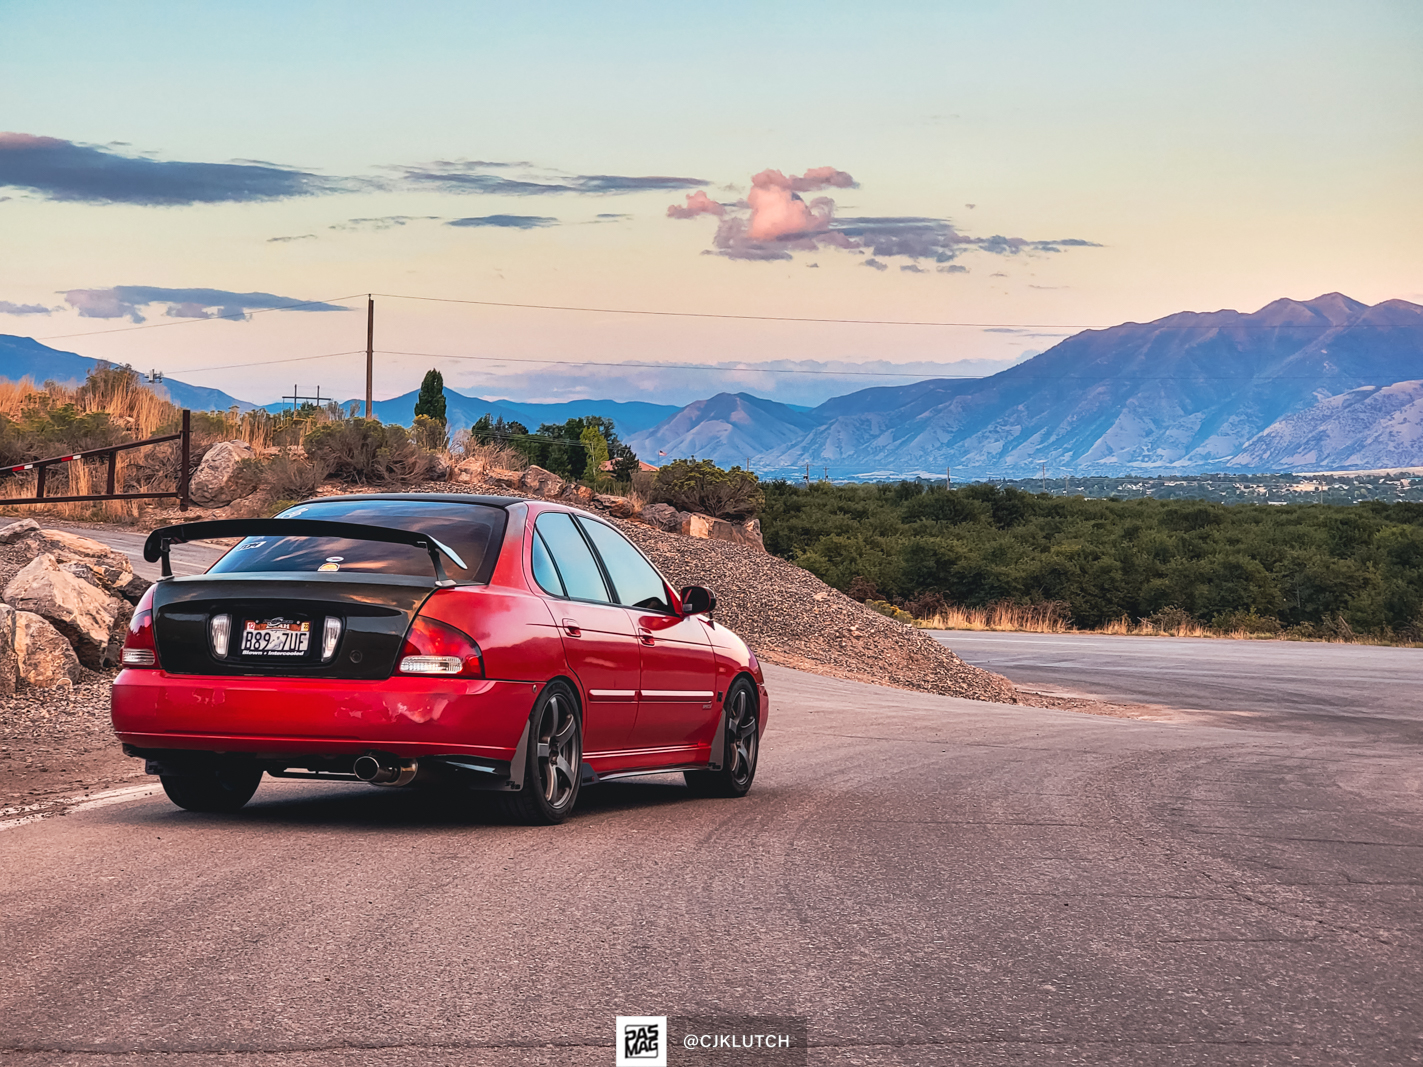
41,466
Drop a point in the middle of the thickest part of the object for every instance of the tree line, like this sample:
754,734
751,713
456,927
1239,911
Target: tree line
1304,566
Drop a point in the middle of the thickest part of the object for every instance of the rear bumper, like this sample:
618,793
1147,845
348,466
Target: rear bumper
281,716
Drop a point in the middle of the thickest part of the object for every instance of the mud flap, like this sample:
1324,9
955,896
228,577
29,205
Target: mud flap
520,761
718,745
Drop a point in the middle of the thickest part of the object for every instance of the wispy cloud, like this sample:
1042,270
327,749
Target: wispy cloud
56,169
297,237
509,222
384,222
775,221
7,308
127,301
472,176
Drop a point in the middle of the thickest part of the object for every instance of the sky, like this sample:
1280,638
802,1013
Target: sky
176,175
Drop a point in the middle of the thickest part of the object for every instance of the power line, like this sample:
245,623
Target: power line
242,317
719,315
886,322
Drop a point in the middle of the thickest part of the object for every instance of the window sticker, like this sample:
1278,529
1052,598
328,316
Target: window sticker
329,567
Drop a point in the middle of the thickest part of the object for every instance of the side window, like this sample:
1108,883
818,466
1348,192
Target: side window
637,584
576,565
544,571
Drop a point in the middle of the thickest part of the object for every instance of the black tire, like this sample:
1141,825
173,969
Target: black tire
553,766
219,788
742,744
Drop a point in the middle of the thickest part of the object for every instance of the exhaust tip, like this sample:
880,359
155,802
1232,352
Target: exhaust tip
378,770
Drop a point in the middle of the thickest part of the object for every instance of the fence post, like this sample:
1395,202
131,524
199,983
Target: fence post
185,453
113,468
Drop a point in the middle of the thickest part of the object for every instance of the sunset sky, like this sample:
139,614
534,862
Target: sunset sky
1030,166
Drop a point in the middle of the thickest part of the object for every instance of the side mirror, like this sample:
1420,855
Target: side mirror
697,600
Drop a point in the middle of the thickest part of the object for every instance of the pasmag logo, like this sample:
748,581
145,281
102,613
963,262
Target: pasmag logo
641,1041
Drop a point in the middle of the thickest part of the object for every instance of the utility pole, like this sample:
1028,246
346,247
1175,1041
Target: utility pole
370,349
807,475
948,477
1044,477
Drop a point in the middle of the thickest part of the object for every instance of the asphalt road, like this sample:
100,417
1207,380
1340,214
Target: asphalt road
1358,690
925,880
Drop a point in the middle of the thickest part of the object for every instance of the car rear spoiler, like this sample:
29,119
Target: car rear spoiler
162,539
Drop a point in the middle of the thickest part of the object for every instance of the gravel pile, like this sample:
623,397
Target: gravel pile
790,617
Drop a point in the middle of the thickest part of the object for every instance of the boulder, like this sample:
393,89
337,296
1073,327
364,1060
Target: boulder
579,493
619,507
93,561
43,657
8,663
541,482
507,478
217,482
662,517
18,531
440,469
82,612
706,526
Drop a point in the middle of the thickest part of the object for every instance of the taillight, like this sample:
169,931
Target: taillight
434,647
139,648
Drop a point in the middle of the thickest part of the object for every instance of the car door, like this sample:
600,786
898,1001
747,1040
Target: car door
677,682
598,636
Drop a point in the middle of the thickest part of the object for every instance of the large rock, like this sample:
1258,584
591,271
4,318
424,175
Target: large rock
500,476
82,612
541,482
217,481
8,663
18,531
43,658
720,530
619,507
662,517
93,561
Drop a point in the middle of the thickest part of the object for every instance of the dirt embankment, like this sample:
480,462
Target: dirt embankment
790,617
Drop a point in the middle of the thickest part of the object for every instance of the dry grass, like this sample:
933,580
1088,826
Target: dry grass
1026,618
493,456
1047,619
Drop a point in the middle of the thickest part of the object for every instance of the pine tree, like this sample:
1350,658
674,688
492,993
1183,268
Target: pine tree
431,401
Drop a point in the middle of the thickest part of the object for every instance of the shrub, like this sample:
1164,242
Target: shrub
884,607
430,433
363,450
702,486
292,476
1246,622
1170,620
862,589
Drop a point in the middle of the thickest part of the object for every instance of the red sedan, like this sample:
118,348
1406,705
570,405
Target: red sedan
467,642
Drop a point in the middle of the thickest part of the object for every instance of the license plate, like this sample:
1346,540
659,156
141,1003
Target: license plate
275,637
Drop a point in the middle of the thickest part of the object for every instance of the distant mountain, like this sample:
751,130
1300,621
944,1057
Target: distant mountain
1368,428
24,357
1189,392
728,427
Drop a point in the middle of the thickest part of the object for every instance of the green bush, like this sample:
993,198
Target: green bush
1332,567
701,486
363,450
884,607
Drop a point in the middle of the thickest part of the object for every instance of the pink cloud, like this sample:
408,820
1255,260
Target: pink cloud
698,203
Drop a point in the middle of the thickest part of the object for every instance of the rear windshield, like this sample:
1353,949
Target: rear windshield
473,531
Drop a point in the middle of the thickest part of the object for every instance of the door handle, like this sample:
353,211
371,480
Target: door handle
571,628
645,636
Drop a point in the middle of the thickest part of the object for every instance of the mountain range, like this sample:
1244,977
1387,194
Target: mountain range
1294,385
24,357
1323,384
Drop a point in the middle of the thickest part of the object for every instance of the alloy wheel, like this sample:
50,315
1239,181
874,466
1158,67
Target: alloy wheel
742,737
559,752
